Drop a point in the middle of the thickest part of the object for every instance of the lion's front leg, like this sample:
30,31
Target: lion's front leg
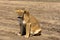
27,30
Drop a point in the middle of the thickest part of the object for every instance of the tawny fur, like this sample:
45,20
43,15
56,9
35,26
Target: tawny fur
32,25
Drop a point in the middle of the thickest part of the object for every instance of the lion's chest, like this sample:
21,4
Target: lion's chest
24,22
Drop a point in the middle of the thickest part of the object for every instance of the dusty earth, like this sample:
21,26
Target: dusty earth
47,13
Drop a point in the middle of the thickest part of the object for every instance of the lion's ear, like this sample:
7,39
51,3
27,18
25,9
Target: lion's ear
24,11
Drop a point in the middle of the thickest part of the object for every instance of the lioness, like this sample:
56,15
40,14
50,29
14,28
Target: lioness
31,24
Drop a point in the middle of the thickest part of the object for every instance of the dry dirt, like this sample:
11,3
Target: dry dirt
47,13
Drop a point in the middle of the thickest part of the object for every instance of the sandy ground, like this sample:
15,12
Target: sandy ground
47,13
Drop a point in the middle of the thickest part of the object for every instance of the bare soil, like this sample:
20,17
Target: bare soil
47,13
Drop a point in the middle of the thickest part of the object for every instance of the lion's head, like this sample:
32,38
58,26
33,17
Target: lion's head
22,12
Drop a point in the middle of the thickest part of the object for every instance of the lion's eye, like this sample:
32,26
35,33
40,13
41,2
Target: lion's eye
17,10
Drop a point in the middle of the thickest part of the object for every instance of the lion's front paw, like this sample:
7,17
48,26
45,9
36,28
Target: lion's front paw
18,34
26,36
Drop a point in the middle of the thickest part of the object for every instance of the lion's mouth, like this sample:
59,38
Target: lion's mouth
20,17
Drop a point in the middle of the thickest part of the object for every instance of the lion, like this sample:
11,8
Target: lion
32,26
